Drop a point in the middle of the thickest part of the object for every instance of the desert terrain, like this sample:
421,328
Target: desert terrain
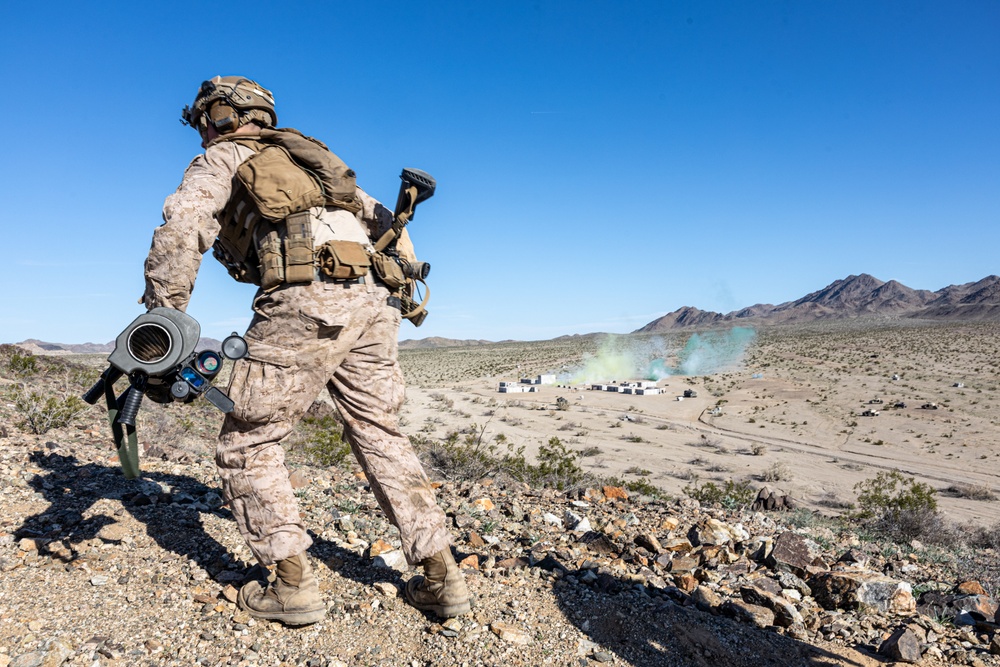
788,411
606,571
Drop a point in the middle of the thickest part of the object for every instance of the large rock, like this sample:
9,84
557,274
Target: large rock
785,613
717,533
862,591
769,498
793,553
902,645
760,616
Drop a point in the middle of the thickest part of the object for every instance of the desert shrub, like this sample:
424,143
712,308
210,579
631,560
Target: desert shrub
758,449
22,365
593,450
39,414
322,440
897,507
971,491
471,456
468,454
557,465
776,472
641,486
731,495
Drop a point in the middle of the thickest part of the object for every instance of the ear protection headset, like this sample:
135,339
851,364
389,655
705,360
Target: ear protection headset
222,117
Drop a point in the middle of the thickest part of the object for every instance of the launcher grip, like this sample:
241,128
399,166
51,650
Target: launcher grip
109,376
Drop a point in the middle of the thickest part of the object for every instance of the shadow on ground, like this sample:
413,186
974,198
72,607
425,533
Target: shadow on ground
624,620
646,628
170,507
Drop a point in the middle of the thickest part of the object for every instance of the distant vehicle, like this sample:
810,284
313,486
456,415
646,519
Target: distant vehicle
875,401
929,406
899,405
690,393
870,413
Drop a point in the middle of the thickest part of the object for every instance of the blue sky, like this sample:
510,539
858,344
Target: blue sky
599,164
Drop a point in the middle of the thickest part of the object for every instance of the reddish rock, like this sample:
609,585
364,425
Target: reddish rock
970,588
483,504
379,547
615,493
686,581
677,544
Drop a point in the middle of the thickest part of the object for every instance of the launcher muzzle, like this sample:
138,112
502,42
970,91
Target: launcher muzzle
156,352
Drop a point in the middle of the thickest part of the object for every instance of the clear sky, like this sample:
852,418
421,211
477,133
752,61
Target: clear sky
599,164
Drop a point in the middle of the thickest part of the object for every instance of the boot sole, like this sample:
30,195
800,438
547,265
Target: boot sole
286,617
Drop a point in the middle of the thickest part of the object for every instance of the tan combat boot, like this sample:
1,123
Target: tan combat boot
442,588
292,598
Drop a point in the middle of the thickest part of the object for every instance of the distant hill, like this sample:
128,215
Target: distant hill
435,342
36,346
852,297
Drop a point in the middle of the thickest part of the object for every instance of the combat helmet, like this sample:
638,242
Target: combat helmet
227,102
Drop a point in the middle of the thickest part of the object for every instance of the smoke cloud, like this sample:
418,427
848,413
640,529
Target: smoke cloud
621,358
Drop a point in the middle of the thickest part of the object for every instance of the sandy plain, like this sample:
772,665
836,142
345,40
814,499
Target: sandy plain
788,413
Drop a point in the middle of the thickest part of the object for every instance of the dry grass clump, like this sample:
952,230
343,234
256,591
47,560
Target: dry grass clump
971,491
776,472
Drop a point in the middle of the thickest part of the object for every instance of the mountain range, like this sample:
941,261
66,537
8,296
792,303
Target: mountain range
849,298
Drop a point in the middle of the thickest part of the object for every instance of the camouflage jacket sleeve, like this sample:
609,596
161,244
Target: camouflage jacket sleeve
189,226
378,219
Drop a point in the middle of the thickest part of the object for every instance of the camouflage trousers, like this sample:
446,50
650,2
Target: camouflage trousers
304,338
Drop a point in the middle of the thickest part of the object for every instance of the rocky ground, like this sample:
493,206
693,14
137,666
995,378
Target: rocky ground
99,570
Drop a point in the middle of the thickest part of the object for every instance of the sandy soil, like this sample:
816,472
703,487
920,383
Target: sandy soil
790,412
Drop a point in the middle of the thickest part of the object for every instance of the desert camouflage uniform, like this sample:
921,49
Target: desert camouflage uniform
303,337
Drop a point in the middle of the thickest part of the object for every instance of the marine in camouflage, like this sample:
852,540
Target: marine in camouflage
304,338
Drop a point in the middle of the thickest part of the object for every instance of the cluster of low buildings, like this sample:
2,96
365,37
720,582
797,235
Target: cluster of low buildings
526,385
639,387
531,385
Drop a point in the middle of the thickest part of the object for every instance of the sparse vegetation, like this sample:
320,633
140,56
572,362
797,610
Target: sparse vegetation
898,507
731,495
39,414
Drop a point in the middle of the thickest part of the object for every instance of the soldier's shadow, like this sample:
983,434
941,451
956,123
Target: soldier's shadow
170,507
644,628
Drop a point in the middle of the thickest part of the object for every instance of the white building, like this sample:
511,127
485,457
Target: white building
514,388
